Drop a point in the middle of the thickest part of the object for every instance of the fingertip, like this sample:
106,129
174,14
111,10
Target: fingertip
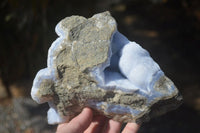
88,111
97,125
113,127
131,128
83,120
61,128
77,124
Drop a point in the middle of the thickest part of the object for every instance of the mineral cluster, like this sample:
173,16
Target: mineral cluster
92,64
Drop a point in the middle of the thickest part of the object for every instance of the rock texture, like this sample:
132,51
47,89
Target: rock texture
92,65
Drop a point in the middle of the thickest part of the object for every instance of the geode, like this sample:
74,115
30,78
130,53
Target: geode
93,65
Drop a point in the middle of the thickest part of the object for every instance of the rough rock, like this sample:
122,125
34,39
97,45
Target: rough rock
93,65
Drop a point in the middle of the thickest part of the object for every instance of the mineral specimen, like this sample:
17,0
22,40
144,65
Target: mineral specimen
93,65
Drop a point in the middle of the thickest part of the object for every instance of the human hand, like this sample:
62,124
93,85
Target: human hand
86,123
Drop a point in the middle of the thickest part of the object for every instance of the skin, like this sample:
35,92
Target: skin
85,122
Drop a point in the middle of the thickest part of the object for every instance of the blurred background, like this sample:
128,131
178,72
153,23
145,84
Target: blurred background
168,29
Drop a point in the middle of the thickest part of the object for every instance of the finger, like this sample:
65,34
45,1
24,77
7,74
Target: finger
113,127
131,128
97,124
78,124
